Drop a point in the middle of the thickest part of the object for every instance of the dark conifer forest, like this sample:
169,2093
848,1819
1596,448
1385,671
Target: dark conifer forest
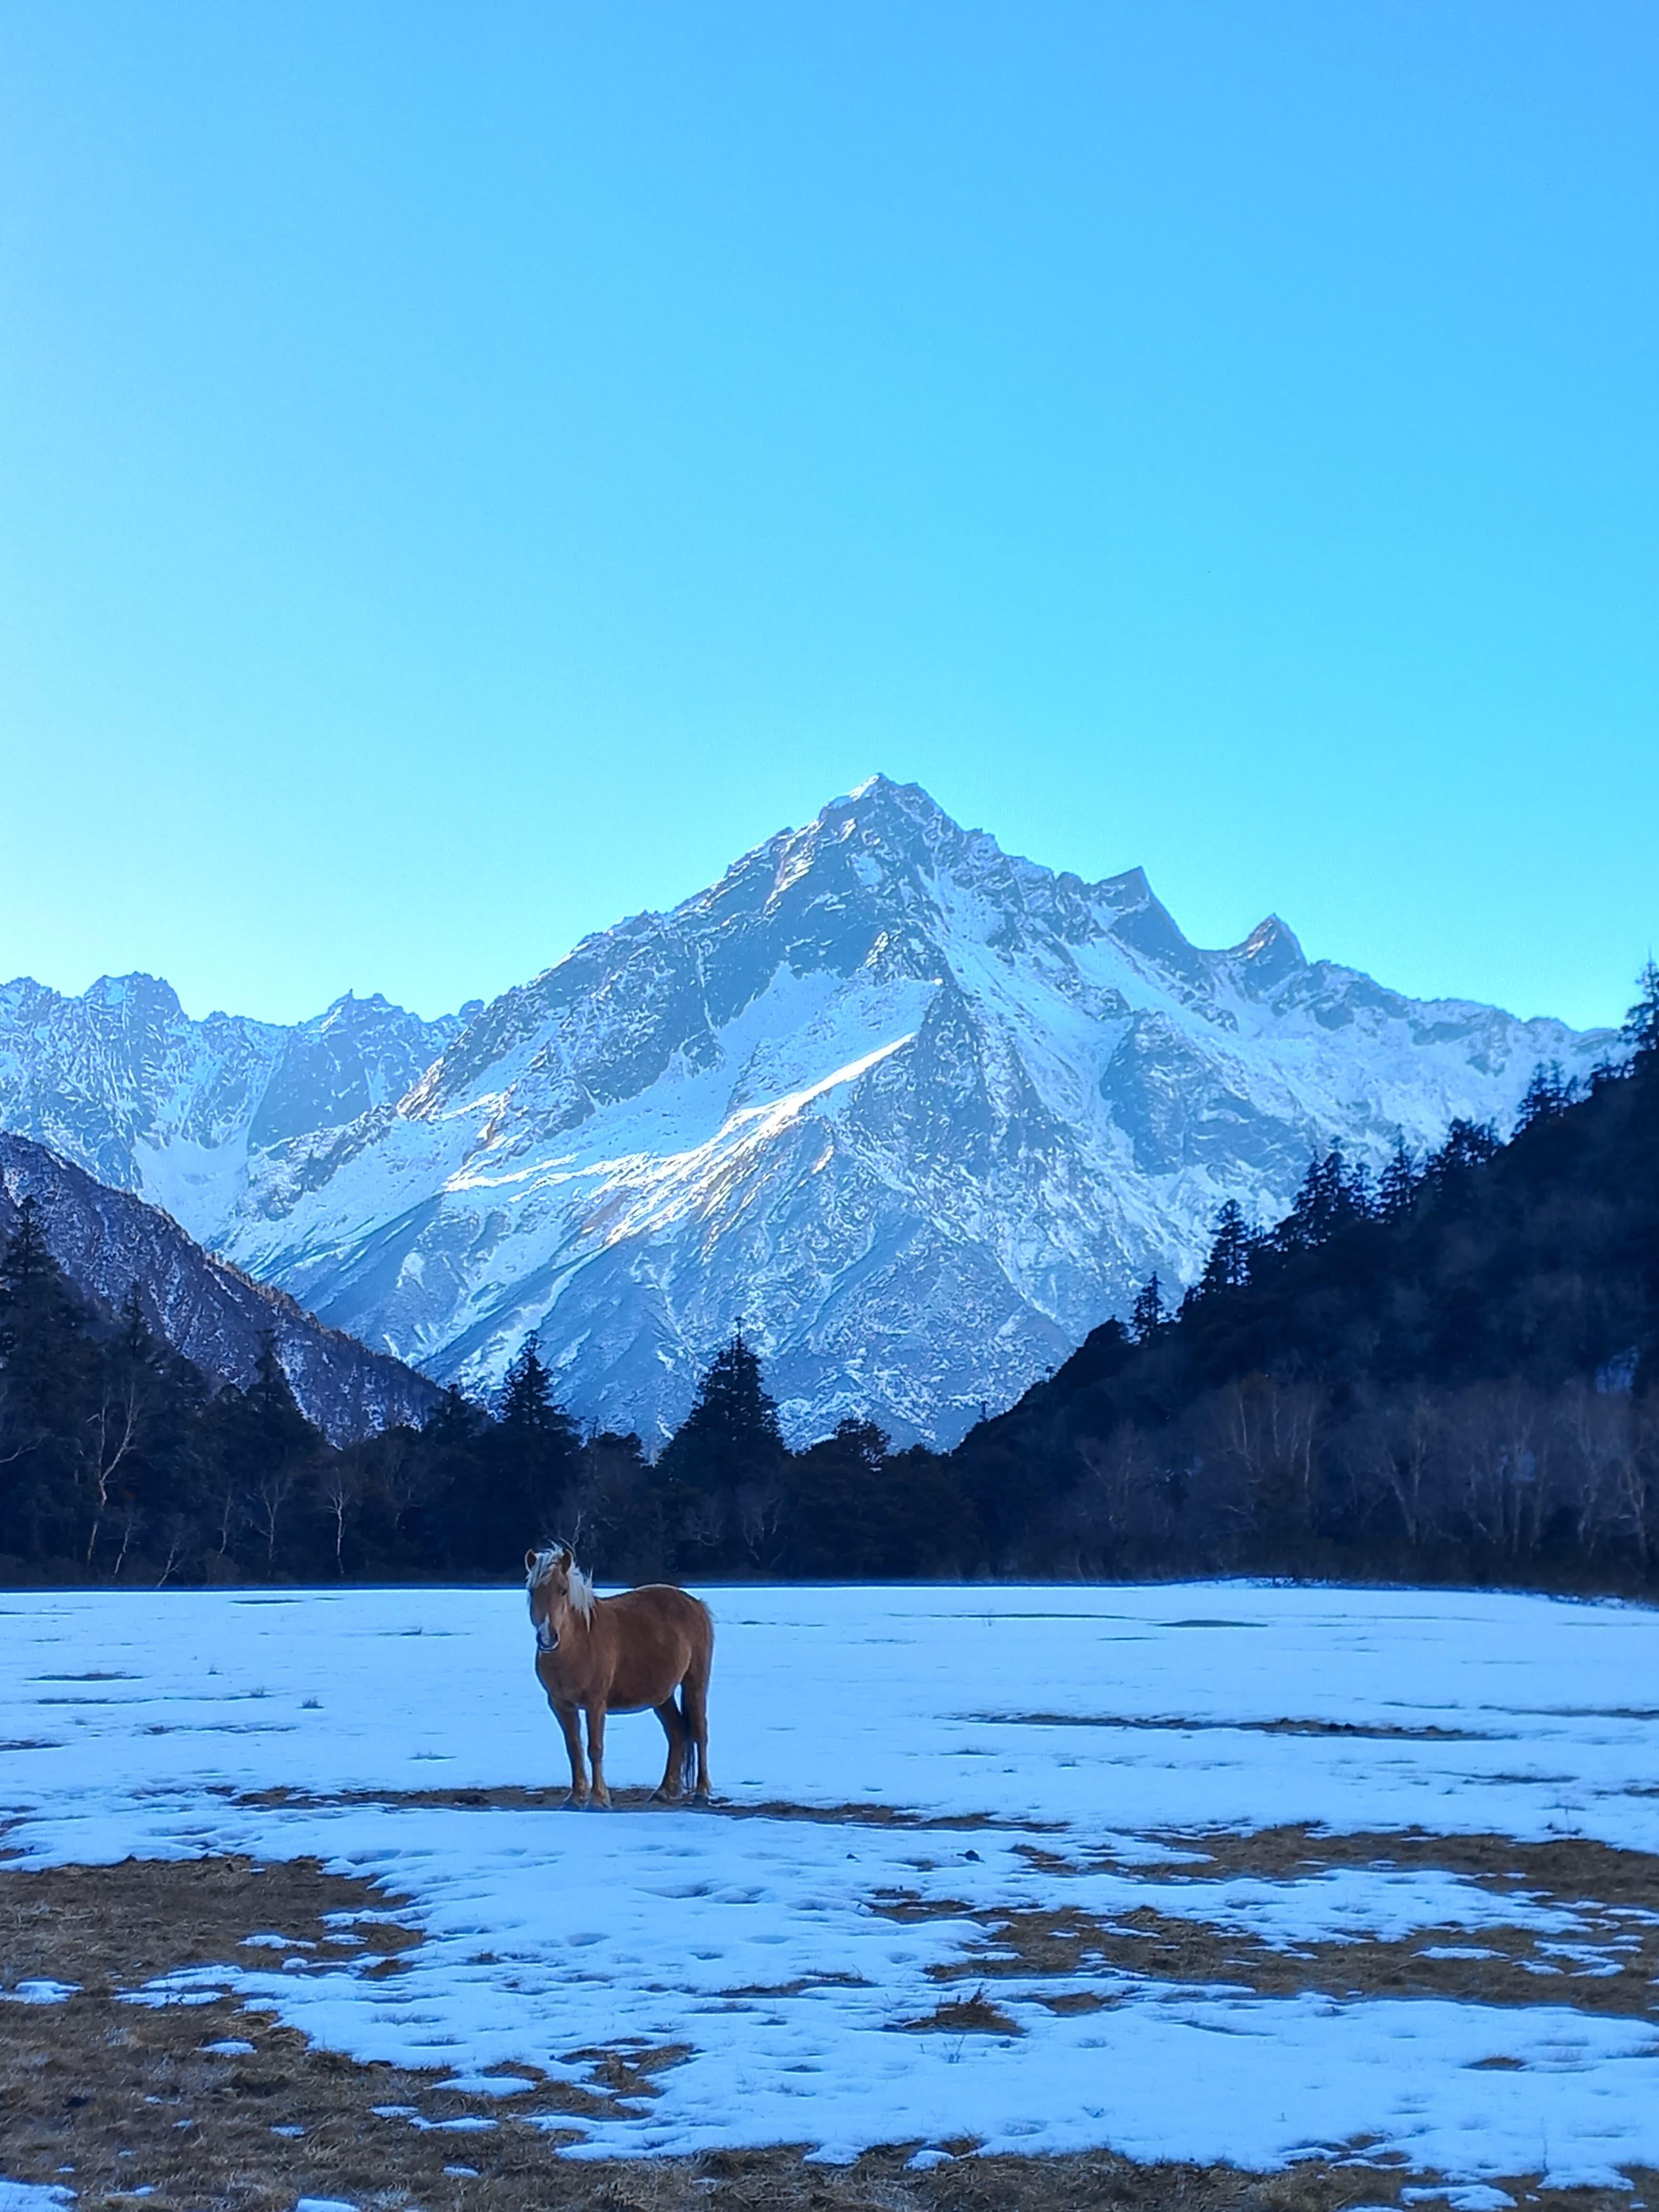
1450,1373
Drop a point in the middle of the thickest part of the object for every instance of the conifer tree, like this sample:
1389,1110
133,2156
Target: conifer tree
1228,1267
263,1449
1548,1094
117,1424
1359,1197
731,1436
1641,1027
451,1445
48,1369
530,1460
161,1496
842,1506
1397,1187
1149,1313
1469,1144
1327,1201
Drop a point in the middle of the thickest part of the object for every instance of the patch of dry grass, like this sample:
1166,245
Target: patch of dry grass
1516,1969
125,2096
512,1798
1565,1869
974,2015
1177,1724
1611,1965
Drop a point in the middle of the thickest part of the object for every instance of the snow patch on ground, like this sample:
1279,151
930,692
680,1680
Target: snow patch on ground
974,1753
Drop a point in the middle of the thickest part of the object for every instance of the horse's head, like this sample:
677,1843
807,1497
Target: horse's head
558,1588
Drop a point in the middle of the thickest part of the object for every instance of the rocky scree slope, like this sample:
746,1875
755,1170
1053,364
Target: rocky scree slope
110,1244
921,1112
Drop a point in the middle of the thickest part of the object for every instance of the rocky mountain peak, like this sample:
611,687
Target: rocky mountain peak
924,1110
135,991
1269,953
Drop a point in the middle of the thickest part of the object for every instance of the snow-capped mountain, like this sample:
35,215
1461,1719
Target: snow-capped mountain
111,1244
921,1112
123,1082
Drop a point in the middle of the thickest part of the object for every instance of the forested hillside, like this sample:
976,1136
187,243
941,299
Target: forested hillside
115,1248
1453,1373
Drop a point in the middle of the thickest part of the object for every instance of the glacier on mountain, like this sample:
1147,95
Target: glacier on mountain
921,1113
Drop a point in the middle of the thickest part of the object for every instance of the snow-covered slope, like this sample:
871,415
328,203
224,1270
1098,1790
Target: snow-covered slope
921,1112
124,1084
111,1244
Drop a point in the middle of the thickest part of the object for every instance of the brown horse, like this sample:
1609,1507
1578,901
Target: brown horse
619,1655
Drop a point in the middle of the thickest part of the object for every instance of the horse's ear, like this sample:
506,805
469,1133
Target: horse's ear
567,1557
530,1559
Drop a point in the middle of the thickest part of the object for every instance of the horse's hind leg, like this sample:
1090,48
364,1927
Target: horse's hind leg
694,1696
672,1784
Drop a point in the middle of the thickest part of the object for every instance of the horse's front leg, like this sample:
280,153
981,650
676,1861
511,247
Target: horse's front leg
571,1725
596,1753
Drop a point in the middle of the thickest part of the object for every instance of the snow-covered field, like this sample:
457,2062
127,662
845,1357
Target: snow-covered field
909,1778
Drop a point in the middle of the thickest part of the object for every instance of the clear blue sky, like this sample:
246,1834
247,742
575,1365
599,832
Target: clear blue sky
468,471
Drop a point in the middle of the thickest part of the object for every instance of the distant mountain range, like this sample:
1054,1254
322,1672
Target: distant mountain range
110,1244
921,1113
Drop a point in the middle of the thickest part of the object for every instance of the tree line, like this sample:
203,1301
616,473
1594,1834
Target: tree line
119,1464
1449,1370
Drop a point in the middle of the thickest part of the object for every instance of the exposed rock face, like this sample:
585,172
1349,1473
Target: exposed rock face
109,1242
124,1084
921,1112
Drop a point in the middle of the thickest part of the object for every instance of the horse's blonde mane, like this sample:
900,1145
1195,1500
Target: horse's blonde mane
582,1597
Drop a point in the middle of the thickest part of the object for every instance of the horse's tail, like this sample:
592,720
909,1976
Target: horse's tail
694,1697
701,1664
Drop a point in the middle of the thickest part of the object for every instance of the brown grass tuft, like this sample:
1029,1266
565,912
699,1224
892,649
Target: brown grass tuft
974,2015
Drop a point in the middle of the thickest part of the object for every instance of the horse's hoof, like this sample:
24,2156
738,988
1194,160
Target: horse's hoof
573,1803
600,1802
